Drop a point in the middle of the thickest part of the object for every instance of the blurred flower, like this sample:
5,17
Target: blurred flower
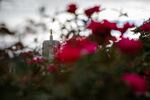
147,73
102,30
37,60
136,82
28,54
127,46
90,11
88,47
145,27
125,27
68,54
110,39
72,8
52,68
75,48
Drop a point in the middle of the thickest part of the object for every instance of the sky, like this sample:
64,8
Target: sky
14,12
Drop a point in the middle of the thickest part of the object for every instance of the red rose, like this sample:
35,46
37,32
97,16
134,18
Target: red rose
75,48
145,27
103,27
126,27
94,26
28,54
72,8
37,60
136,82
90,11
110,25
110,39
68,54
90,48
127,46
52,69
102,30
147,73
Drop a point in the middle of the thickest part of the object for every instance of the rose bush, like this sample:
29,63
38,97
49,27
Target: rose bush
92,67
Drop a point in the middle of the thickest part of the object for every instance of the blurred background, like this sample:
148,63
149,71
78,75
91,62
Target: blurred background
25,74
33,18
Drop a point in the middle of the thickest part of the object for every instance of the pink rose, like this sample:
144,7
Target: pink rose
127,46
136,82
75,48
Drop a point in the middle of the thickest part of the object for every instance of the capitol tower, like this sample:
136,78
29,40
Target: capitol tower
49,46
